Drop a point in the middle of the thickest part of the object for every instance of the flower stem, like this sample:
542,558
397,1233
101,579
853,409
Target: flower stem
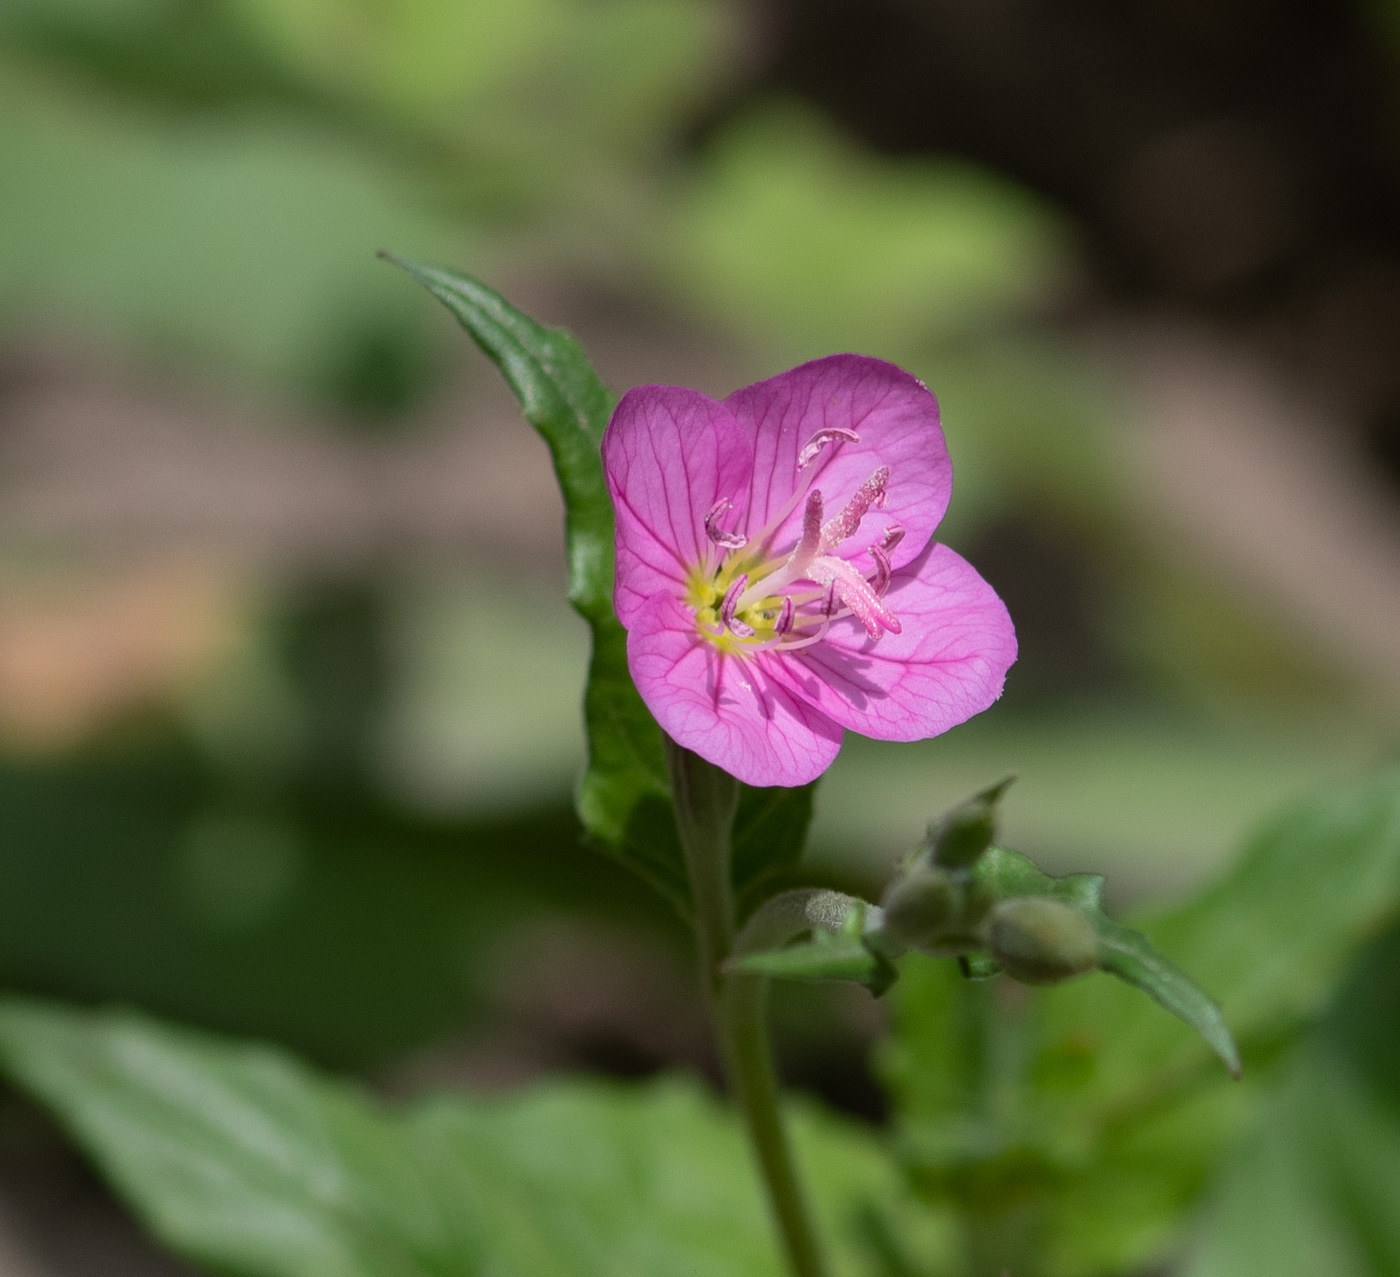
744,1037
706,799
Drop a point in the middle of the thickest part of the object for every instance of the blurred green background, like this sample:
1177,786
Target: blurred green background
288,686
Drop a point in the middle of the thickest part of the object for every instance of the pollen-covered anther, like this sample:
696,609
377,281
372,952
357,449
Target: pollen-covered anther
858,594
870,493
725,540
728,610
814,446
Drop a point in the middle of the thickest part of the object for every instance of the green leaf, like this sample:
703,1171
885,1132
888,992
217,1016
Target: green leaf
1123,952
562,397
245,1161
1271,939
824,957
1315,1190
1129,955
624,795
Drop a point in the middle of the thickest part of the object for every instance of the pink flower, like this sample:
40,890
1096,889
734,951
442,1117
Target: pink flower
776,574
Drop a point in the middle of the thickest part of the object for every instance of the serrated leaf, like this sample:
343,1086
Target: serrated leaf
563,398
244,1160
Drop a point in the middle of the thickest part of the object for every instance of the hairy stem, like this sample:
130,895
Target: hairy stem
706,799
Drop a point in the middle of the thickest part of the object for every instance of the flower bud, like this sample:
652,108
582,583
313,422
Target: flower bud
965,832
934,910
1042,941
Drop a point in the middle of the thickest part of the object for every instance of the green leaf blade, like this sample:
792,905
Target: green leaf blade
563,398
1129,955
565,401
246,1161
1124,952
625,788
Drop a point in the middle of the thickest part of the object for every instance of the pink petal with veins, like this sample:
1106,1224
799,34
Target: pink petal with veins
948,663
730,711
670,454
896,417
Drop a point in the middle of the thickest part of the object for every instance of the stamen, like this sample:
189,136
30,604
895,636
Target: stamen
783,625
811,531
856,593
894,534
796,566
880,582
871,492
730,605
792,645
812,449
725,540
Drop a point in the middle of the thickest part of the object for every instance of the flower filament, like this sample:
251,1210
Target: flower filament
748,599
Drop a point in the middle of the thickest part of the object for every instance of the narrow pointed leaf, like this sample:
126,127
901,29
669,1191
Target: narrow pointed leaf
624,795
1125,953
1129,955
563,398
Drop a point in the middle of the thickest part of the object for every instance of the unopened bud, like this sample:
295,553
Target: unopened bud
965,832
1042,941
920,903
934,910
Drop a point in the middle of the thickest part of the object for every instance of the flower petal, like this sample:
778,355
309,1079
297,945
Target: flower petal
727,709
896,417
669,454
948,662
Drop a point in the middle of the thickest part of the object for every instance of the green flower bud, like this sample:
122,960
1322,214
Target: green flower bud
934,910
1042,941
965,832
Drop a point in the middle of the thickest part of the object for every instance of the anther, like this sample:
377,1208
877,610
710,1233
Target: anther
871,492
894,534
729,608
858,594
880,582
812,449
786,615
725,540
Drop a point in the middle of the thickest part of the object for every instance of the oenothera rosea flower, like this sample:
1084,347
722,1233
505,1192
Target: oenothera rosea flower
776,572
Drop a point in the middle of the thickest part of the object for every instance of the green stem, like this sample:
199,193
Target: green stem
748,1059
706,799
